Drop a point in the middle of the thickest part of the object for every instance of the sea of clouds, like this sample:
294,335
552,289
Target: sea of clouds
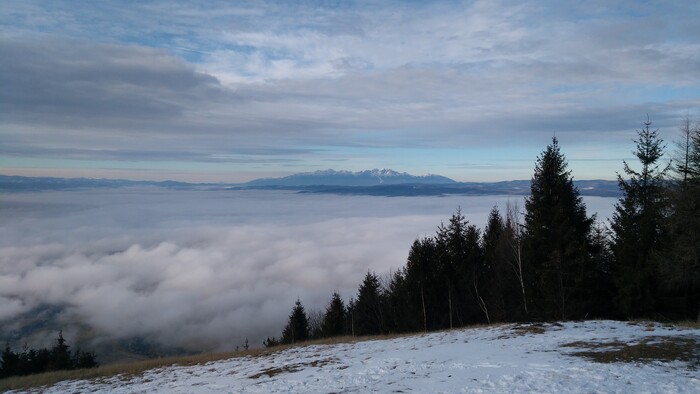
205,269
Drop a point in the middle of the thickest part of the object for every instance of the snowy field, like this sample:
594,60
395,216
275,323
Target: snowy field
504,359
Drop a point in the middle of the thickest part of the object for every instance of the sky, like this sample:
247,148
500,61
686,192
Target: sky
202,269
229,91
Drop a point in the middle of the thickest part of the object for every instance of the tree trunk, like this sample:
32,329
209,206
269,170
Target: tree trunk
482,304
422,298
449,301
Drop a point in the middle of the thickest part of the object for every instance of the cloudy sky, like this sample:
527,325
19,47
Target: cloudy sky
229,91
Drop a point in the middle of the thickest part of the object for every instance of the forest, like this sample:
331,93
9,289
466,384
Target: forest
31,361
548,260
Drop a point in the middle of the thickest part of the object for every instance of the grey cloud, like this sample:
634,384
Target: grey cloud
469,74
88,84
252,155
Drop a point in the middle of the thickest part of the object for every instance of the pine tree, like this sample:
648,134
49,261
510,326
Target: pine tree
84,360
271,342
400,314
297,329
9,365
494,273
420,278
459,259
60,357
334,319
367,308
637,227
557,234
680,259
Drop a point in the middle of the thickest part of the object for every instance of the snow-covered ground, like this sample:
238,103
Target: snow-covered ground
503,359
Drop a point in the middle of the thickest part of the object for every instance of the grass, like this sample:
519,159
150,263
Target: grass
689,324
137,368
648,349
655,348
270,372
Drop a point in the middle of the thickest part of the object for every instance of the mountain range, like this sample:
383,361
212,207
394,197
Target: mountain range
377,182
347,178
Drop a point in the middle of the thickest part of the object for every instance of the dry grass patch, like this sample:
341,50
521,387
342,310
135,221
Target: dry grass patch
127,371
521,329
695,324
647,350
289,368
270,372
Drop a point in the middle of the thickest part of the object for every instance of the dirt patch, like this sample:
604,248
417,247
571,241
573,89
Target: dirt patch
270,372
647,350
524,329
290,368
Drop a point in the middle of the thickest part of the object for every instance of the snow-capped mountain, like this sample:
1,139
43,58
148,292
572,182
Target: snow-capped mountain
330,177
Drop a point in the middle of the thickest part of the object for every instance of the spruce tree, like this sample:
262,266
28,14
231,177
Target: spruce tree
680,260
637,226
84,360
60,357
557,237
334,319
399,312
9,365
367,308
297,328
494,273
421,276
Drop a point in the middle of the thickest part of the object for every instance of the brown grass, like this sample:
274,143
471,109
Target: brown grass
521,329
129,370
647,350
270,372
689,324
137,368
125,370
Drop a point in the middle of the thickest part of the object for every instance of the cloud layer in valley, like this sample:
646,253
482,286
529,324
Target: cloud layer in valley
203,270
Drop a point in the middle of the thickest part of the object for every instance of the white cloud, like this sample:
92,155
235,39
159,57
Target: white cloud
218,80
203,269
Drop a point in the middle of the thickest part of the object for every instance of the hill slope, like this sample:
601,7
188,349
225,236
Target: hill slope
570,357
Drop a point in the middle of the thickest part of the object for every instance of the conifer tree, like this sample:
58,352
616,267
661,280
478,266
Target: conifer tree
459,259
84,360
680,260
400,313
9,365
637,227
557,235
367,308
60,357
419,278
297,329
494,274
334,319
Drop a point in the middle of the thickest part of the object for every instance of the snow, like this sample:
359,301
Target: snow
502,359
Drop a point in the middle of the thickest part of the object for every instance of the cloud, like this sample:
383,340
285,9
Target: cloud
202,270
103,82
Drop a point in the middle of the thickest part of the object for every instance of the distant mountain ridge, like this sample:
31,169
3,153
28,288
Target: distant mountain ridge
331,177
382,182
